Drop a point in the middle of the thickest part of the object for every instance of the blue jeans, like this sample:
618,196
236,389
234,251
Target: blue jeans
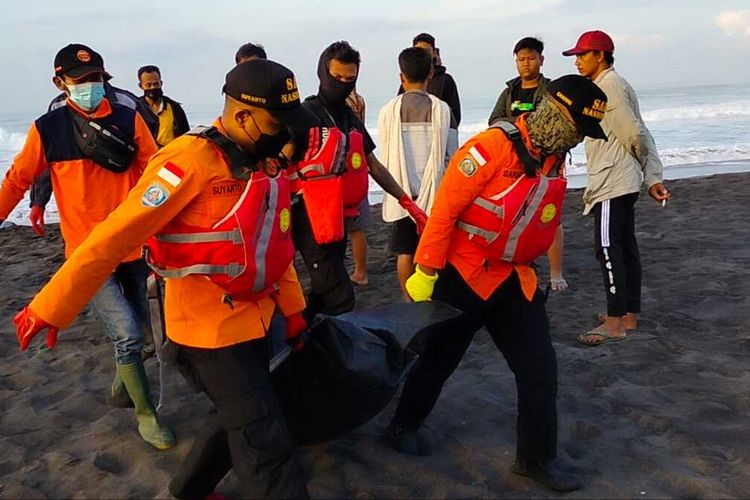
121,304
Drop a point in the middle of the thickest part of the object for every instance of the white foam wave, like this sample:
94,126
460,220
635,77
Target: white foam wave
699,111
671,157
11,141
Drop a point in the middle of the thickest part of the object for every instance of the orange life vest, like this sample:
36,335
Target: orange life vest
319,178
518,224
356,182
245,253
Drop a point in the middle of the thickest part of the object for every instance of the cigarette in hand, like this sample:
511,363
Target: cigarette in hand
663,203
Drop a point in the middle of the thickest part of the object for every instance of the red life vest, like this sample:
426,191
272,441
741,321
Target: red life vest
356,182
245,253
519,224
319,179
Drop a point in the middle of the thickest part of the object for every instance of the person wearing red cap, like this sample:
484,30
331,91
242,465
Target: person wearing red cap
215,213
617,167
496,210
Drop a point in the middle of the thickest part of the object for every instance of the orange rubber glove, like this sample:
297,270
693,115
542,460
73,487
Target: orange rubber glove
295,325
37,219
29,325
416,213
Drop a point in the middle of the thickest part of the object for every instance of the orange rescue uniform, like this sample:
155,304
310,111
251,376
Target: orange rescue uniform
197,189
85,192
466,178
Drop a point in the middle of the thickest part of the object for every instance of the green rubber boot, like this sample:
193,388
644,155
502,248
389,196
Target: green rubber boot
151,430
118,395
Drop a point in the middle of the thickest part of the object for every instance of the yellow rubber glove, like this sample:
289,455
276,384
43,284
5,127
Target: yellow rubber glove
419,286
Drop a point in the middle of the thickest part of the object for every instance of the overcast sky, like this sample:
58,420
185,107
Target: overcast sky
658,43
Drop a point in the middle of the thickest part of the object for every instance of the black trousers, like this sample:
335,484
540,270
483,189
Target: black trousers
331,290
520,330
247,432
617,253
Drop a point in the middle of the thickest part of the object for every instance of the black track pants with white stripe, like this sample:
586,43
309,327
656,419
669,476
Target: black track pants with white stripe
617,253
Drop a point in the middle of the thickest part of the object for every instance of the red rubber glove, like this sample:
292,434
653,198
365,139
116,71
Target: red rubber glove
37,219
28,325
416,213
295,325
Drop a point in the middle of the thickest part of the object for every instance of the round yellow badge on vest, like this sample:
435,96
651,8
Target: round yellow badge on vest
356,161
284,220
548,212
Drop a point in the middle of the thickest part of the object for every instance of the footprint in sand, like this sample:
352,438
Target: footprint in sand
109,463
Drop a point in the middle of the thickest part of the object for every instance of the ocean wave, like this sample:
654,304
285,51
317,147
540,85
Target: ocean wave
674,157
699,111
11,141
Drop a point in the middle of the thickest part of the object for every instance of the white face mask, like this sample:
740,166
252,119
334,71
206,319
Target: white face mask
86,96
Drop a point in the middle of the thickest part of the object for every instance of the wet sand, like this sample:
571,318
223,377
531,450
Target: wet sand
664,414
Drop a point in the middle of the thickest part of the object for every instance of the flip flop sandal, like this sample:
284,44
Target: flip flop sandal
601,333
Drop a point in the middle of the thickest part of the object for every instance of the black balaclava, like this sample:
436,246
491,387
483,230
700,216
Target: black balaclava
332,92
551,132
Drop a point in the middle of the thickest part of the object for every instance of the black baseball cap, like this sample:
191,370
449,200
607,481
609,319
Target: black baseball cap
585,101
267,84
76,60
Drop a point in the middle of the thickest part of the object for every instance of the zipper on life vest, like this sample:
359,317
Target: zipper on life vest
521,213
228,300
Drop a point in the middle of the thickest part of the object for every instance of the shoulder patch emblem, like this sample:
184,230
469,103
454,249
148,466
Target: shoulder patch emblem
468,166
155,195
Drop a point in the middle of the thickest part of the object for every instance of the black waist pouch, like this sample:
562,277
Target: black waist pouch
105,145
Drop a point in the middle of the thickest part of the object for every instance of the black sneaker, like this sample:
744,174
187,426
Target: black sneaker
409,442
547,475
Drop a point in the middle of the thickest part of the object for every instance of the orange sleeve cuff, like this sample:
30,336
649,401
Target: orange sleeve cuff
289,297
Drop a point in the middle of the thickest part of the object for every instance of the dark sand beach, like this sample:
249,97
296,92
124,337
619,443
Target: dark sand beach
664,414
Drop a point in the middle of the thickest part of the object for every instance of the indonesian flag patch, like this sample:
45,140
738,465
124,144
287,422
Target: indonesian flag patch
479,154
171,173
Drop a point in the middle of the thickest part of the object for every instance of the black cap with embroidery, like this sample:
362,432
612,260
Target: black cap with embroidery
77,60
269,85
585,101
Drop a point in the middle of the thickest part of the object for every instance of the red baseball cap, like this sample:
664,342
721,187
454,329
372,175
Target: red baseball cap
591,40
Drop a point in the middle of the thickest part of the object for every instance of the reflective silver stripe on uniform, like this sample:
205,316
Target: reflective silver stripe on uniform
234,236
197,130
487,205
531,208
266,229
232,270
490,236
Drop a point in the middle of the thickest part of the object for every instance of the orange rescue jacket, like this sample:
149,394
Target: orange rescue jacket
486,164
200,192
85,192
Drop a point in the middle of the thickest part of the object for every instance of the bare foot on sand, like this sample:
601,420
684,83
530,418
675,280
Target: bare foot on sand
630,320
359,279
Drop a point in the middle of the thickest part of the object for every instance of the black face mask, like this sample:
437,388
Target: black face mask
332,90
270,146
154,94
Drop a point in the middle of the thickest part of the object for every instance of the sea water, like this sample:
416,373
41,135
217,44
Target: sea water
698,131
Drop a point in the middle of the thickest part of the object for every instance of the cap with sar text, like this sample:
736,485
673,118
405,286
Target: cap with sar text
267,84
585,101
